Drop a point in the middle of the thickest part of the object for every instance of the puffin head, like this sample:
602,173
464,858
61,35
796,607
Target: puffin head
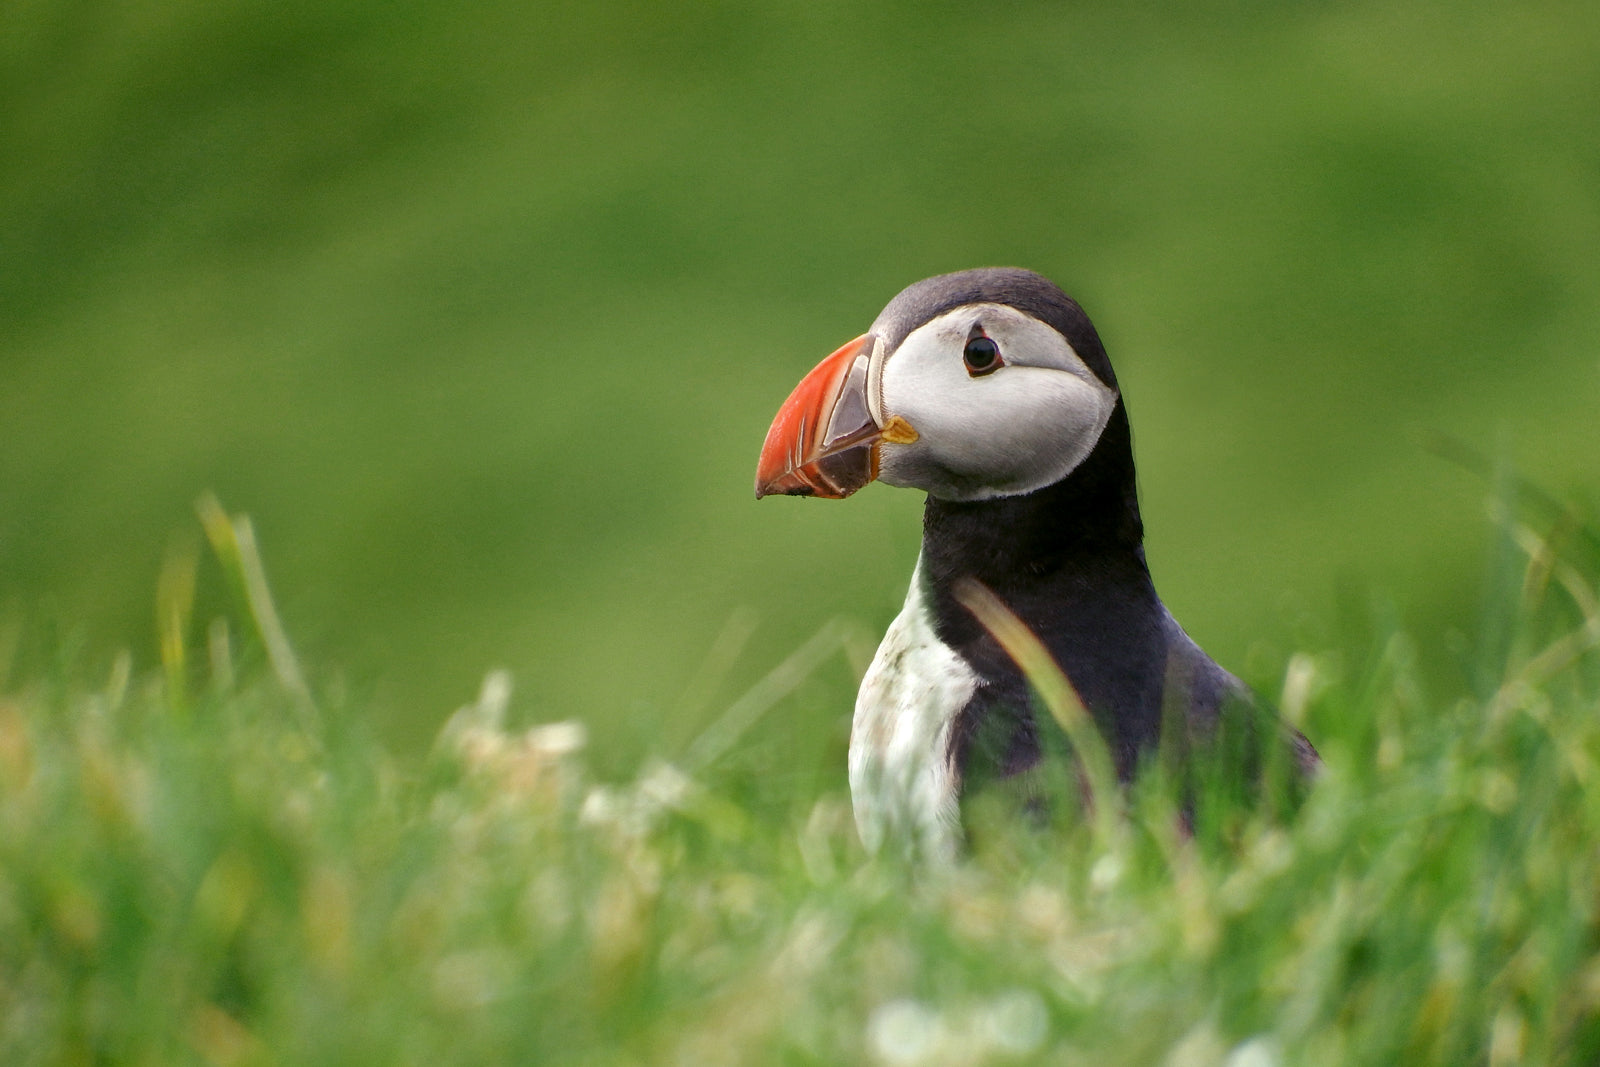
979,384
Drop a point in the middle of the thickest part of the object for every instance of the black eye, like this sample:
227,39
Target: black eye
982,355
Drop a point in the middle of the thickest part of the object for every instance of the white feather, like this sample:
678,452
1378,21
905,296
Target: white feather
902,784
1020,428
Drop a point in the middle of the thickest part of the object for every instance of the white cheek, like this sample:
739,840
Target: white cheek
1010,432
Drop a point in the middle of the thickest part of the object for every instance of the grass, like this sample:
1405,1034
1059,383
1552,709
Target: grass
483,309
219,864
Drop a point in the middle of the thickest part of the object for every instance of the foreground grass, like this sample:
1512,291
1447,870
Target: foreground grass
233,873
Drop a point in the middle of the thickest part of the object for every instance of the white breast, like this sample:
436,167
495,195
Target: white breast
902,783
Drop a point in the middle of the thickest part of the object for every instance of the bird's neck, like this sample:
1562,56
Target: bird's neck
1089,519
1069,561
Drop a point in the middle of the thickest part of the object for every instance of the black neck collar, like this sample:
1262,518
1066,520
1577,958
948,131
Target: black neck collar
1092,512
1068,559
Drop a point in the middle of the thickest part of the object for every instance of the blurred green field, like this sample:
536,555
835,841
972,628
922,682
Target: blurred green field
481,310
219,867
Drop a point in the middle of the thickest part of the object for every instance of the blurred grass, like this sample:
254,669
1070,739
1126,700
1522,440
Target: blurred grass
482,309
201,872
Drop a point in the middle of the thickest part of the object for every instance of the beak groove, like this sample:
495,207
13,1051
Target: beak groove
822,442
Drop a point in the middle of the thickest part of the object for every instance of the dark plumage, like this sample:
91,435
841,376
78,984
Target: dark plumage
1066,556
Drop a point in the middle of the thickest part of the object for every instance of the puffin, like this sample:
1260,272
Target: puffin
990,391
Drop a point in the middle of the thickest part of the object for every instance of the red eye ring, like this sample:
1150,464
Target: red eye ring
981,355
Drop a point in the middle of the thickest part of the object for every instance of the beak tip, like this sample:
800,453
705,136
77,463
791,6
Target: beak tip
786,484
820,442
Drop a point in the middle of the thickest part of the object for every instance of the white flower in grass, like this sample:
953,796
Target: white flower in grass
1106,872
1256,1052
1016,1022
557,739
904,1031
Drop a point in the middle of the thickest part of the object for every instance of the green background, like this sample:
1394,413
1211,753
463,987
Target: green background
482,309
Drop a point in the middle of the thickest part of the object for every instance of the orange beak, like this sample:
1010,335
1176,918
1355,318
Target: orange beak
824,439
